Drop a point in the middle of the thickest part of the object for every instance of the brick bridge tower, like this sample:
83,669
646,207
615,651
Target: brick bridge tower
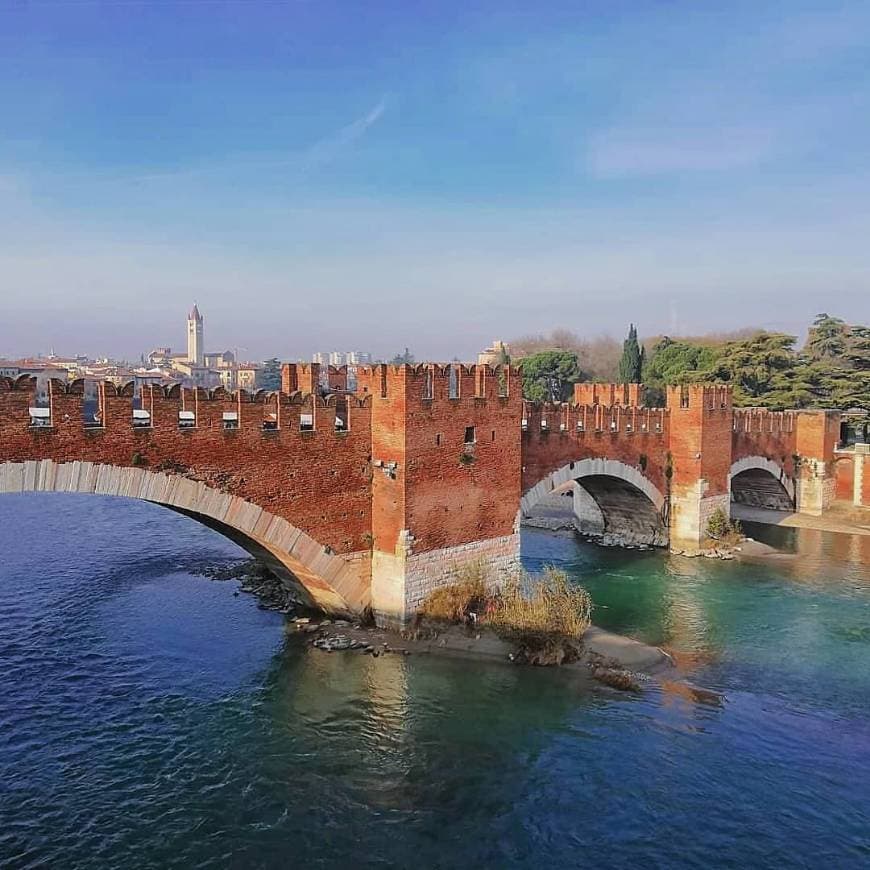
699,460
446,477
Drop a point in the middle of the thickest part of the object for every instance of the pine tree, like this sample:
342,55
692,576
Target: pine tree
631,363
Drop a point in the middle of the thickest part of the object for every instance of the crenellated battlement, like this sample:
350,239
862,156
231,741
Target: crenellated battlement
761,420
570,417
439,382
609,394
153,407
700,397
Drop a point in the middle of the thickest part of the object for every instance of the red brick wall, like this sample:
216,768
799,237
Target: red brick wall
759,432
700,441
318,481
439,498
300,376
452,502
624,434
844,469
817,434
609,394
336,378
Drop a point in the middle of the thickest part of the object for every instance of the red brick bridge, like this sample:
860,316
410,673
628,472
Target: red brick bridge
371,498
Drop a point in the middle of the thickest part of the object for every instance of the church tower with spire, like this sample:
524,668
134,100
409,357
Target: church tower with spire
194,337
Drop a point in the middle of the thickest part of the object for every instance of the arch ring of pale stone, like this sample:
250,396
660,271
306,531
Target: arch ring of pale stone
765,464
588,468
334,583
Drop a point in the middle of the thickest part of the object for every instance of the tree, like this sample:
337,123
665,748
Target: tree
400,359
631,363
827,337
270,377
675,362
549,376
762,370
598,356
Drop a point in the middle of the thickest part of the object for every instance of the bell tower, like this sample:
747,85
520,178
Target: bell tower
194,337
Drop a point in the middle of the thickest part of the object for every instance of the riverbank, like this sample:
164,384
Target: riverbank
848,522
607,658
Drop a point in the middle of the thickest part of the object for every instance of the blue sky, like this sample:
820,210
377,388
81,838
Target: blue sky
372,175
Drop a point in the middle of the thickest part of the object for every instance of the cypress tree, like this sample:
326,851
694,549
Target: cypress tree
631,362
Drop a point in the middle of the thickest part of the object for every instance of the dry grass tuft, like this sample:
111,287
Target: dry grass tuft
453,603
545,616
545,605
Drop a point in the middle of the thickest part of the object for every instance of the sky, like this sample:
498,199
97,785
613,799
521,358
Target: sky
323,175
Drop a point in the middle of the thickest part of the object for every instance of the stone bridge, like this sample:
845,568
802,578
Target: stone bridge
370,499
656,475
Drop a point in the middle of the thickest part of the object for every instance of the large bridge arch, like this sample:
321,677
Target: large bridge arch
323,579
757,481
630,505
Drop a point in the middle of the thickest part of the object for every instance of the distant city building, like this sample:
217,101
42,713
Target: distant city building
39,368
195,337
197,376
249,376
223,360
495,354
159,354
342,358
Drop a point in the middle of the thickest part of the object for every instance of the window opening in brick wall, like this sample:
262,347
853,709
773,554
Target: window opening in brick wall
453,383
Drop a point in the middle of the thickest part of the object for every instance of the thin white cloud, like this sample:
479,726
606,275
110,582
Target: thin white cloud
298,162
327,149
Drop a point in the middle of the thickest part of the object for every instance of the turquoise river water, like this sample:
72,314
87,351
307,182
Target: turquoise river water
151,718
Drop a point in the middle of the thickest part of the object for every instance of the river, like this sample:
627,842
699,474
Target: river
152,718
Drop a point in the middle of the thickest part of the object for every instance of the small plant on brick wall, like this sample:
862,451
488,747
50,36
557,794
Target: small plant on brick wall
669,468
466,458
368,540
643,461
723,530
138,459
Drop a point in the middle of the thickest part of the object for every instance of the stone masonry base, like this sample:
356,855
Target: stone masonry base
401,582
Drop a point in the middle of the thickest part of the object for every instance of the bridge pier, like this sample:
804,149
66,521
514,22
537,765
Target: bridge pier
816,437
700,460
691,509
446,460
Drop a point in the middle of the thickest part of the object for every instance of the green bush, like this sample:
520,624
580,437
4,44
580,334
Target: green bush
718,525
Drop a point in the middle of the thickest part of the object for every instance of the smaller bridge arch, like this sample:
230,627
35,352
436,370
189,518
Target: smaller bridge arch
631,507
758,481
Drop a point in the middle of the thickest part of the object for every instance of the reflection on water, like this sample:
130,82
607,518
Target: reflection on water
149,718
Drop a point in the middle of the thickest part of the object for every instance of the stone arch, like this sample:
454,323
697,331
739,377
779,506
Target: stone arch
334,583
761,482
632,509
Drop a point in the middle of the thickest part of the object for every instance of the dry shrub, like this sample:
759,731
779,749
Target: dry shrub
544,616
544,606
452,603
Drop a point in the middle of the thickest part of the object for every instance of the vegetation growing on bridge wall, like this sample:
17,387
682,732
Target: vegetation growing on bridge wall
722,530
